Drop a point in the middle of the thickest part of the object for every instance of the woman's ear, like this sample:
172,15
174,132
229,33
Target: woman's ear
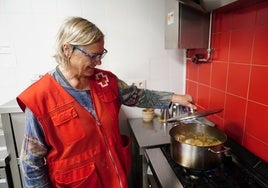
67,49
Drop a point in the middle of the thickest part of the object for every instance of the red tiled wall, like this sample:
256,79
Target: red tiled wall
237,77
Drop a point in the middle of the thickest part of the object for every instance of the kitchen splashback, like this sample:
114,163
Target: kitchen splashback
235,79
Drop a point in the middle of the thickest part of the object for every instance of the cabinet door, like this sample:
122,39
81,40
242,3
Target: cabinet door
18,124
13,126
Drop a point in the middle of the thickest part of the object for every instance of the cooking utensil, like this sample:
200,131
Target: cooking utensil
177,109
194,115
197,157
164,115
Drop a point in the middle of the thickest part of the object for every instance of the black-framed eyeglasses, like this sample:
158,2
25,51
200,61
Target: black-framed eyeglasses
93,57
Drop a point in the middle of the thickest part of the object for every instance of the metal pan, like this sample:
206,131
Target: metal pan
198,157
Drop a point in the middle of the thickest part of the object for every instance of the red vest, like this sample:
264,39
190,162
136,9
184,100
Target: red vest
83,151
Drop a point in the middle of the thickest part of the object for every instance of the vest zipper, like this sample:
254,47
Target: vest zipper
109,152
105,141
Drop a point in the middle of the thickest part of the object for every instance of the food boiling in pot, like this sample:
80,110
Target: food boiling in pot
197,139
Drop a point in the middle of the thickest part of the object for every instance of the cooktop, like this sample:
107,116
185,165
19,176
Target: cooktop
241,169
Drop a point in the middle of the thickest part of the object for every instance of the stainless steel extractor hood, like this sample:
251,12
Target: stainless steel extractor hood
188,22
186,27
206,5
210,5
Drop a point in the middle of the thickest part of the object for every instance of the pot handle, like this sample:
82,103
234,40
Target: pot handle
224,149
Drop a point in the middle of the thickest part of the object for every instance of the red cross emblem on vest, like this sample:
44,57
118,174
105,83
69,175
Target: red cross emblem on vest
102,79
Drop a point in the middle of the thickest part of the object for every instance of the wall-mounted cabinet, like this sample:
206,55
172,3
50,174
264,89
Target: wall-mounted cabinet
185,27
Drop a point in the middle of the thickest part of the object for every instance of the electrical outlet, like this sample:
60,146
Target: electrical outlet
139,83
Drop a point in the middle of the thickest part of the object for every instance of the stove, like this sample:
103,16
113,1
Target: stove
239,169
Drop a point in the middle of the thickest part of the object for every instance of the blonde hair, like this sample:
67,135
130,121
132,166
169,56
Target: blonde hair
76,31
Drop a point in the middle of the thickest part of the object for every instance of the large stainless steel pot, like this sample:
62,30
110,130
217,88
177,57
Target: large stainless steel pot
198,157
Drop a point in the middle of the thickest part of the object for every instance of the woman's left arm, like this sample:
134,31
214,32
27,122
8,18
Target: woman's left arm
144,98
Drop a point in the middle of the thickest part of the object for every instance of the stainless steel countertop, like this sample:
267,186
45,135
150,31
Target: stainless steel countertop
10,107
150,134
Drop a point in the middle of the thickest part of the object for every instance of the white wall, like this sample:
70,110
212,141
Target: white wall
134,32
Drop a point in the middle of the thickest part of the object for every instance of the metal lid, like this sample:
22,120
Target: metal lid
194,115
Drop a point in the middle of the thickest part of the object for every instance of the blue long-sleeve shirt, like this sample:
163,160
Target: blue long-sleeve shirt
34,149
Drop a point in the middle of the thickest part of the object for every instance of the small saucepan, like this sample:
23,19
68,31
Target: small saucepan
197,146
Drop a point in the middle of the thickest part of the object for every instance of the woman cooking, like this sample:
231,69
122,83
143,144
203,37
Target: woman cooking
72,136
